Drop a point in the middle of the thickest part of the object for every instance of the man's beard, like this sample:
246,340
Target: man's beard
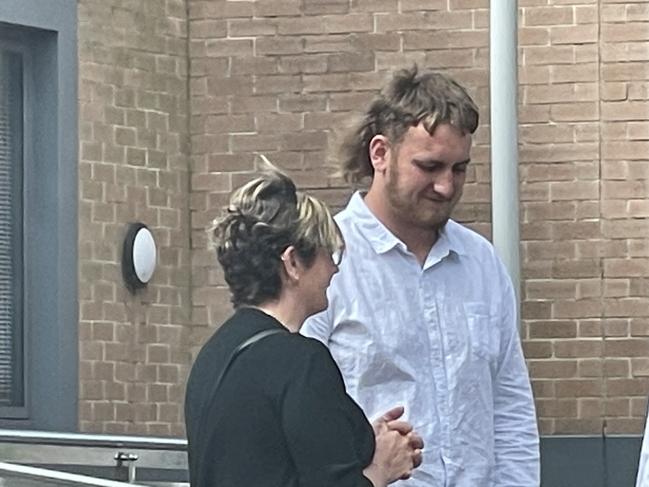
408,211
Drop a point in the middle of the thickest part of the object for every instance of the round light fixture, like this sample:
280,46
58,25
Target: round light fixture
138,257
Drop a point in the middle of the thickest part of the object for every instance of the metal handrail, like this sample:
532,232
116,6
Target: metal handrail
96,440
72,479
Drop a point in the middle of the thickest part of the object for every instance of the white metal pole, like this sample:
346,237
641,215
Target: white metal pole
503,69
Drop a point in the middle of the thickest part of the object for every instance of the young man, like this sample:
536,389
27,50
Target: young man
422,312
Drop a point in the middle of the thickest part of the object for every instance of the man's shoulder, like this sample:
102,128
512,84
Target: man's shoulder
344,217
470,240
348,223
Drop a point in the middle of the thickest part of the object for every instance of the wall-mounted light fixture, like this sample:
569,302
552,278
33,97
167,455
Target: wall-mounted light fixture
138,256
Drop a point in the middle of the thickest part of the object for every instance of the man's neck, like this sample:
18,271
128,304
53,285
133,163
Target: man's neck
419,241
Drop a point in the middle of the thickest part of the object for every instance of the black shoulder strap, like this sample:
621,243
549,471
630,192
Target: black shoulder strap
253,339
204,440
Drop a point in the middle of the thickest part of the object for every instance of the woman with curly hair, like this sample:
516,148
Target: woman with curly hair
265,406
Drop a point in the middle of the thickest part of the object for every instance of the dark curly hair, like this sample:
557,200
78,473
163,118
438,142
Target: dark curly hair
264,217
411,98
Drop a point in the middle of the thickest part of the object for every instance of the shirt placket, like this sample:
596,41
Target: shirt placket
439,387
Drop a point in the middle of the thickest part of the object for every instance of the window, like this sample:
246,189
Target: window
38,215
12,396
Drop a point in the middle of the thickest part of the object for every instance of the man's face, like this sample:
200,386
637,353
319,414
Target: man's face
425,175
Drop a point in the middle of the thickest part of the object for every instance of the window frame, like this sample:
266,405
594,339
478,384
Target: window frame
26,134
47,30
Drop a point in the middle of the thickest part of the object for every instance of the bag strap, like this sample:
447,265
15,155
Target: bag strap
235,353
253,339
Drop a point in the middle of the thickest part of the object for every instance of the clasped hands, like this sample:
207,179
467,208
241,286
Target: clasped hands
399,438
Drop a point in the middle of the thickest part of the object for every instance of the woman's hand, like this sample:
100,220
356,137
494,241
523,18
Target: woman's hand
398,449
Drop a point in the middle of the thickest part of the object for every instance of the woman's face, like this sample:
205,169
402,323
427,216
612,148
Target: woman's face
315,282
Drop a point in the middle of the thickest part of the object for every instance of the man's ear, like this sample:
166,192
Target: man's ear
379,152
291,263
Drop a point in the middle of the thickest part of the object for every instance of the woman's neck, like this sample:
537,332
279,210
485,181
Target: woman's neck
283,310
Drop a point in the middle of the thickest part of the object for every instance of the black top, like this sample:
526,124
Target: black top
281,416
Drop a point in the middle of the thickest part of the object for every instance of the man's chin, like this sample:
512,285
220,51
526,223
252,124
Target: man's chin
436,223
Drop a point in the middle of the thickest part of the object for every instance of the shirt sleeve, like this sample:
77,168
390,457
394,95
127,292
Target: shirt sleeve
642,478
324,428
515,428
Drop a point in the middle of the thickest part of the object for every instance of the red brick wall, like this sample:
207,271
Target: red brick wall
584,175
133,166
174,109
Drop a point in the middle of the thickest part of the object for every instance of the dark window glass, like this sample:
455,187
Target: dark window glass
11,230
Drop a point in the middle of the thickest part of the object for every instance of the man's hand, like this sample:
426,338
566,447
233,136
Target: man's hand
390,421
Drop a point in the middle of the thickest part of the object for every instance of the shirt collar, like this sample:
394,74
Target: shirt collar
382,240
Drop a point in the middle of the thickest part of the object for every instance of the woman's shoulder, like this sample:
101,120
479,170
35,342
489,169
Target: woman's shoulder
294,354
295,345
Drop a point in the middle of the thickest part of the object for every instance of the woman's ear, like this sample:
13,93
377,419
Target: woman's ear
379,152
292,264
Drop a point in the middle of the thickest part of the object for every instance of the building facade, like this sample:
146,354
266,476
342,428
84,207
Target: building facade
176,97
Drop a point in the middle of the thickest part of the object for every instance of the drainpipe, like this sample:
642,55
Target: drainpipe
503,73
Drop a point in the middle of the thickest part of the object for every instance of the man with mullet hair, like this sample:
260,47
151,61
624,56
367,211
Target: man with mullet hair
422,312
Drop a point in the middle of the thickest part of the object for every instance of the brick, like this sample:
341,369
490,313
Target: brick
279,45
301,25
625,110
550,16
374,6
574,34
590,368
626,267
275,8
330,43
305,141
578,426
550,289
577,348
347,23
543,388
534,211
625,425
626,307
265,85
423,21
307,64
583,308
553,329
228,47
379,42
443,40
574,112
247,66
556,408
537,349
318,7
627,387
419,5
253,104
348,62
574,73
552,368
639,367
579,388
275,122
628,31
556,93
250,27
531,36
590,408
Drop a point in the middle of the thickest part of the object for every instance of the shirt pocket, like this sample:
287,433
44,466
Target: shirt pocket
481,331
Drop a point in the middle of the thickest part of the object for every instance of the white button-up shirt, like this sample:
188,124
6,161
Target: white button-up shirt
642,479
441,340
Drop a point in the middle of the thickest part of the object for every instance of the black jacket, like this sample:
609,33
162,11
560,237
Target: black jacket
281,416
